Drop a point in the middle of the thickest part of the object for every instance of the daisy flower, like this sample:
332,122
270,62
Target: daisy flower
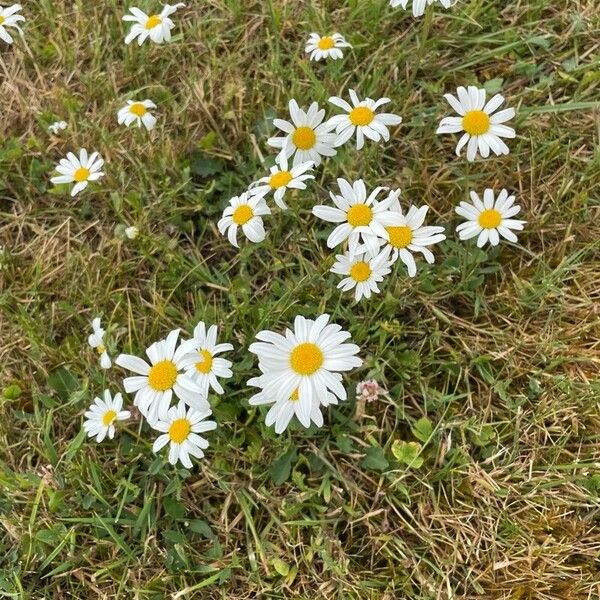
411,236
156,27
328,46
418,6
489,219
361,118
282,411
57,127
483,127
79,171
202,364
96,341
359,216
9,18
137,112
307,138
155,384
180,430
102,414
307,360
246,212
363,272
281,179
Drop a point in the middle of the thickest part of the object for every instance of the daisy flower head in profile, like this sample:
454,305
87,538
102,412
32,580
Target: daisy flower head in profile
327,46
359,216
281,179
483,127
362,118
244,211
102,414
10,18
79,171
138,113
490,219
157,27
96,341
363,272
418,6
57,127
282,411
155,384
307,137
410,236
202,364
305,364
180,429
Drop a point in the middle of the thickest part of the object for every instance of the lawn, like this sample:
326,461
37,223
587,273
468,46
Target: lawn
490,357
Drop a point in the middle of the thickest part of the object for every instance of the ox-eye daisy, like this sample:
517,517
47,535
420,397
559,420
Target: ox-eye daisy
155,383
156,27
411,236
180,430
79,171
418,6
489,219
96,341
359,216
281,179
137,112
306,361
57,127
362,119
202,363
9,18
363,272
307,138
483,127
246,212
102,414
282,411
327,46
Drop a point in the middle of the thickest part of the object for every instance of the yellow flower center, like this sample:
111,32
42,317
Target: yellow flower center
361,115
153,21
162,376
400,237
108,418
360,271
306,358
2,19
476,122
101,349
280,179
295,395
242,214
360,215
138,109
179,430
81,174
326,43
490,218
304,138
204,365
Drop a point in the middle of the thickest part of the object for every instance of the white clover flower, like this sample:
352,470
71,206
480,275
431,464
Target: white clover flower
327,46
131,232
57,127
282,178
306,138
156,27
137,112
483,127
10,18
361,118
102,415
79,171
246,212
490,219
96,341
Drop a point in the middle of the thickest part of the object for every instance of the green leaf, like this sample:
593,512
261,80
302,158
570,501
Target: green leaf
174,508
282,467
281,567
12,392
423,429
63,382
203,528
375,459
408,453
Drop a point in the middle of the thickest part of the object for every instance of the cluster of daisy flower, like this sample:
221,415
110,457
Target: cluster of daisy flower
301,372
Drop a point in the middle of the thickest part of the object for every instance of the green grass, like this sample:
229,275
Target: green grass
490,358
